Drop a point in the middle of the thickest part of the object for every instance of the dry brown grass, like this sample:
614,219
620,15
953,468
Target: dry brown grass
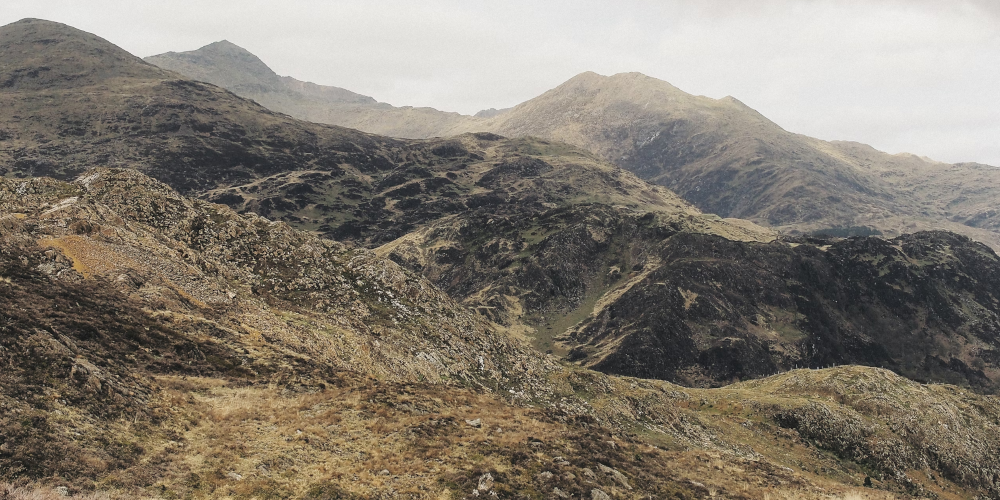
362,438
10,491
346,436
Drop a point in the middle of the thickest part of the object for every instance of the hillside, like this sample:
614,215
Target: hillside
153,352
234,68
442,178
649,295
157,344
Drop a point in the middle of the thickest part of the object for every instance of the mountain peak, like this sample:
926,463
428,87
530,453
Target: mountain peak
617,87
222,63
37,54
225,46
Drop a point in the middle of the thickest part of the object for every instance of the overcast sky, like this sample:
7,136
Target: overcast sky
918,76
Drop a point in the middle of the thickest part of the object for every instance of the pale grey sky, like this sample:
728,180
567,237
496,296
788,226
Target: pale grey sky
919,76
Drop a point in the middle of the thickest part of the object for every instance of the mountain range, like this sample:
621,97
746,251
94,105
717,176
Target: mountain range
719,154
205,297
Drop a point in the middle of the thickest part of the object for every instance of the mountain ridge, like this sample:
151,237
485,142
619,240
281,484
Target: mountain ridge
478,210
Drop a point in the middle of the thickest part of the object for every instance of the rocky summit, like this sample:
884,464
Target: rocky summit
205,298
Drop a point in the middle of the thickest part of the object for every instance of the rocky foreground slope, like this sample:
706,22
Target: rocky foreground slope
175,348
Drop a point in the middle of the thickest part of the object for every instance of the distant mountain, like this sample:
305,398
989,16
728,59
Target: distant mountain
491,112
728,159
234,68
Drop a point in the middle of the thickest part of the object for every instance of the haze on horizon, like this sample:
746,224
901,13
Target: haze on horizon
918,76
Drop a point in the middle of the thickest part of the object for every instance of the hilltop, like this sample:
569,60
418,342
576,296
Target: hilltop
41,55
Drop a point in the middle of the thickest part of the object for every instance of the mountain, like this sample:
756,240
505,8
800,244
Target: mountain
38,55
719,154
161,346
129,113
234,68
727,159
